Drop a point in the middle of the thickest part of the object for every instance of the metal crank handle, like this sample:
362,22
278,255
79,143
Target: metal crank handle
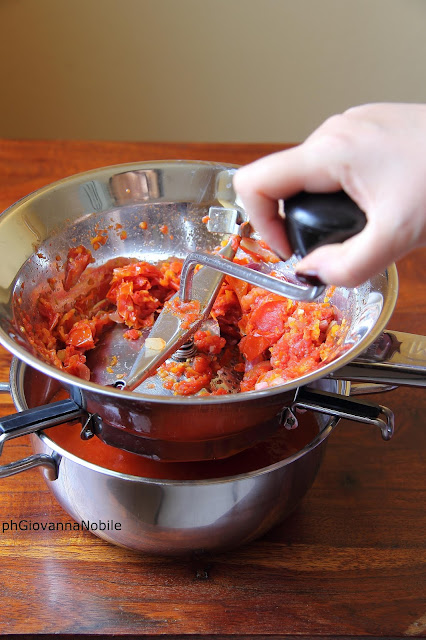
30,421
256,278
343,407
311,220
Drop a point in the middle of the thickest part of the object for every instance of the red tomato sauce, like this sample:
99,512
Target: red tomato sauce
280,446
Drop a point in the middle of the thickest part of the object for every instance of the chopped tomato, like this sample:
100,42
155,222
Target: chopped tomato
269,320
132,334
200,364
192,385
77,260
252,375
187,312
265,339
208,342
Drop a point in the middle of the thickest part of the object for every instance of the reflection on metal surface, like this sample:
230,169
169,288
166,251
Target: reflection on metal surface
382,349
20,237
34,225
94,192
368,314
135,186
289,420
394,358
365,388
225,193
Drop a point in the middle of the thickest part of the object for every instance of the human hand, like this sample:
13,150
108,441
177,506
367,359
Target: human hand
376,154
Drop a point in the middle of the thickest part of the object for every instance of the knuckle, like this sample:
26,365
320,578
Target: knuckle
333,137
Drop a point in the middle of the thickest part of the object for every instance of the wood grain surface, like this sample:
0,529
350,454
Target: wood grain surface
350,562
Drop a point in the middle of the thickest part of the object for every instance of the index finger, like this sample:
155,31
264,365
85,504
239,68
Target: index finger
264,182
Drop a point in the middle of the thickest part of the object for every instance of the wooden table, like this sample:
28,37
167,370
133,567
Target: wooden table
350,562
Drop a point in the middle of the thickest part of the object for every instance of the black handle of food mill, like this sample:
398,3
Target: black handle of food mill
39,418
315,219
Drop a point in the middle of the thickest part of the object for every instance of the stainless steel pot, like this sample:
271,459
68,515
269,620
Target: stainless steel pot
167,516
42,226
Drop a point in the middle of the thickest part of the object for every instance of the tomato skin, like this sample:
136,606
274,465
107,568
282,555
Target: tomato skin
259,250
135,270
252,346
134,307
76,365
81,335
200,364
46,311
263,326
77,261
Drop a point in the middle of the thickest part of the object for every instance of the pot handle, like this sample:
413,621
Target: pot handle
395,358
344,407
49,463
30,421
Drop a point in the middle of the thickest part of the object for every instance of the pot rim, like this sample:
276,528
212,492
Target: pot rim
20,352
322,435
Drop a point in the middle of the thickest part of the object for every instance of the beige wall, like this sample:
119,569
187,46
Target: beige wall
202,70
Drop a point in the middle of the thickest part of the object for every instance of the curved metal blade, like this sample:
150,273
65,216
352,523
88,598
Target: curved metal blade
168,327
